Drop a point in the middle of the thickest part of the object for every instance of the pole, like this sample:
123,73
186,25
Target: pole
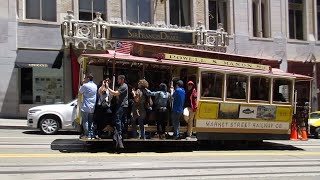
314,89
114,74
92,10
295,102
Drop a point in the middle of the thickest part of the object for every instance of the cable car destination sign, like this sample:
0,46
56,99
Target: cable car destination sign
215,62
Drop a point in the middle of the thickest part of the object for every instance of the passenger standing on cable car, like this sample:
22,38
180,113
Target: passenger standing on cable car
177,108
161,104
191,104
121,109
89,91
138,109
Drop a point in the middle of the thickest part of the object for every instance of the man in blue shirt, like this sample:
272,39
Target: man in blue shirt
177,108
89,92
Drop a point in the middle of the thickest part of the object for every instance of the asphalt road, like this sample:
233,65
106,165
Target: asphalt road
25,155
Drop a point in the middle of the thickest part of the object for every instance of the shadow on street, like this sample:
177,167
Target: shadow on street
36,132
134,146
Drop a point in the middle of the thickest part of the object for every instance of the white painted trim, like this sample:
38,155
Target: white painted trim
193,15
315,21
305,20
167,9
124,10
206,15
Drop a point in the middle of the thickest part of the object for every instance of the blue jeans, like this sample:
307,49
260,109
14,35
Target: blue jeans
87,123
134,127
121,119
175,118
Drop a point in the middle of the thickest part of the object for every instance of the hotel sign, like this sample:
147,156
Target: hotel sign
151,35
216,62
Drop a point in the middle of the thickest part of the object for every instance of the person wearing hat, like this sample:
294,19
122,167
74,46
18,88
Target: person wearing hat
177,108
191,104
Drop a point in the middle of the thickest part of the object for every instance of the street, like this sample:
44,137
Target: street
25,154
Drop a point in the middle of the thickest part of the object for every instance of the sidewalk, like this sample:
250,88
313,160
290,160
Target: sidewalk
13,123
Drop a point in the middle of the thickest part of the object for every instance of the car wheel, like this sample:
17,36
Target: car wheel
317,133
49,125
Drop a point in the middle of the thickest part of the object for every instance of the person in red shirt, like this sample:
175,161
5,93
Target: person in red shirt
191,104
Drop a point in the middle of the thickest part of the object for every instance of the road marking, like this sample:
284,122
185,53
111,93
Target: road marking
63,155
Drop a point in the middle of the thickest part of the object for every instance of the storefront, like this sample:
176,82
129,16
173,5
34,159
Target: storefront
41,78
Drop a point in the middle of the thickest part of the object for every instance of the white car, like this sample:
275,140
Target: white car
52,118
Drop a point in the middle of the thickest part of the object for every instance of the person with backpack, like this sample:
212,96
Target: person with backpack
161,104
138,109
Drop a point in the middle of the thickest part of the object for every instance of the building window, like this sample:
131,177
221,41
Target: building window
88,8
296,19
45,10
260,18
218,14
138,11
180,12
41,85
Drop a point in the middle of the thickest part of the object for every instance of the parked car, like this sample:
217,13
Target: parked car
52,118
314,123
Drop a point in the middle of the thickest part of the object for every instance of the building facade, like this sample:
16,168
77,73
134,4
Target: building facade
284,31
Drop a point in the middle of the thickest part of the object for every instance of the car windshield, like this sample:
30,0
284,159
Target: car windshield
315,115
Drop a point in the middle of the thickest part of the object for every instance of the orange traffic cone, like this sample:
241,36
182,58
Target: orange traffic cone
304,135
294,131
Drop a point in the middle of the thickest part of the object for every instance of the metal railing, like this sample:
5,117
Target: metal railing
93,34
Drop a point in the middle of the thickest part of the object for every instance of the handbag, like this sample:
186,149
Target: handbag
186,114
105,103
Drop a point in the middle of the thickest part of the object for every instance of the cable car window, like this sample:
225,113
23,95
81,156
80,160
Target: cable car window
260,88
282,90
237,86
212,84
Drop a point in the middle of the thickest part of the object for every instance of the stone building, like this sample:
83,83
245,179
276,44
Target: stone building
34,71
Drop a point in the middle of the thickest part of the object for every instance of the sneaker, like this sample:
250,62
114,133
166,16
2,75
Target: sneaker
83,137
176,138
188,138
156,136
162,136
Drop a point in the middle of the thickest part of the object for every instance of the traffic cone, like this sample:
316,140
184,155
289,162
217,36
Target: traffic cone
304,135
294,131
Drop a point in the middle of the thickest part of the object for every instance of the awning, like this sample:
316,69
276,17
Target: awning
39,58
